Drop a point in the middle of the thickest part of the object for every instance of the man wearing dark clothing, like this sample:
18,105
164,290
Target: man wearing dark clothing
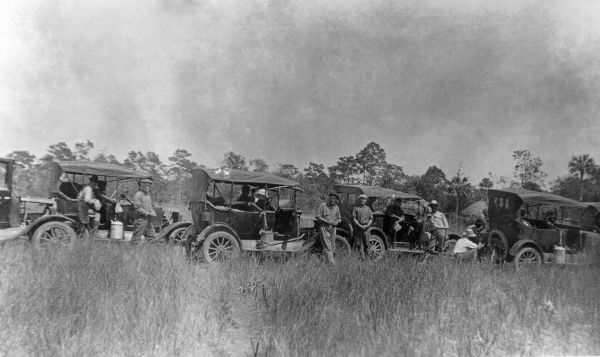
245,196
392,218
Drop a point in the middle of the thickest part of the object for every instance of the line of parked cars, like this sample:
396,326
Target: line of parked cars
524,227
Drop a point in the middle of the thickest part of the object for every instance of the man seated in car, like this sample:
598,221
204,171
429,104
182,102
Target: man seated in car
246,196
394,215
263,200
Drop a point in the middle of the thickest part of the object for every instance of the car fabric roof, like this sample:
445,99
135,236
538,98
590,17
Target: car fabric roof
374,191
535,197
100,169
253,178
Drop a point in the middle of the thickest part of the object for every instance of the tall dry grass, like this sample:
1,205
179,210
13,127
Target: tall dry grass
104,299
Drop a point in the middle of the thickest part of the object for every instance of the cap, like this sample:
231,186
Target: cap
334,195
363,196
262,192
433,202
147,181
94,178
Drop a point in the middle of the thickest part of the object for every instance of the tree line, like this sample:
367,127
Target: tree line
369,166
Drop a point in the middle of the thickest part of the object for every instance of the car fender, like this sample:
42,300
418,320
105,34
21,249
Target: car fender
525,243
378,232
44,219
218,227
171,227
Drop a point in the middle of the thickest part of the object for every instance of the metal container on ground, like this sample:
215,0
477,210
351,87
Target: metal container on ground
116,230
559,255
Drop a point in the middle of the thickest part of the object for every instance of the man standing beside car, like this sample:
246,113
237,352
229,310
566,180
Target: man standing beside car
440,225
362,217
329,216
144,211
92,204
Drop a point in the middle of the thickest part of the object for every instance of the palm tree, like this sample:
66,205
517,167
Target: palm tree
581,165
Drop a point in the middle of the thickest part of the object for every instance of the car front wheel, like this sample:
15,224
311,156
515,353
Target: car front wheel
56,234
220,246
376,247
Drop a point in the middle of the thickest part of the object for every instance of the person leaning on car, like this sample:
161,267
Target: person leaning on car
362,217
144,211
329,217
93,204
440,225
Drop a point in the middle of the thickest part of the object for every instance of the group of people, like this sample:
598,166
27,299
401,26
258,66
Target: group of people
93,194
432,235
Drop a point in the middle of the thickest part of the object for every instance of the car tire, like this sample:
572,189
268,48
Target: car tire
54,233
375,248
220,246
342,247
498,245
177,236
528,257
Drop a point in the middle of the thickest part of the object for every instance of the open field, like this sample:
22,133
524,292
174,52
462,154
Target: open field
109,299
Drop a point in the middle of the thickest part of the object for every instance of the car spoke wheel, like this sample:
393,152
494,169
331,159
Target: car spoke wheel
342,247
375,248
220,246
56,234
528,257
177,237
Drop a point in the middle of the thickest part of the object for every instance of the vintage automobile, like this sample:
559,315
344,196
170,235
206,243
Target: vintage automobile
532,228
24,216
413,206
63,222
224,226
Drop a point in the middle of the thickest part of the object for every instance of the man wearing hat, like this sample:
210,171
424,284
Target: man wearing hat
439,225
144,211
329,216
465,248
93,205
262,200
362,218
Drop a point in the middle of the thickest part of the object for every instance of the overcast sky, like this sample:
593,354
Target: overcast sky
299,81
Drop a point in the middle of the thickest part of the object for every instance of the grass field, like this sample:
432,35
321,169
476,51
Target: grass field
110,299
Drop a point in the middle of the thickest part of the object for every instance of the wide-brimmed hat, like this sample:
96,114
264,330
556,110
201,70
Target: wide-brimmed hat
363,196
334,195
433,203
147,181
468,233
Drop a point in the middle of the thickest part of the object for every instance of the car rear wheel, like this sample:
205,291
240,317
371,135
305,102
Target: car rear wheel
220,246
376,247
342,247
498,245
57,234
177,237
528,257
